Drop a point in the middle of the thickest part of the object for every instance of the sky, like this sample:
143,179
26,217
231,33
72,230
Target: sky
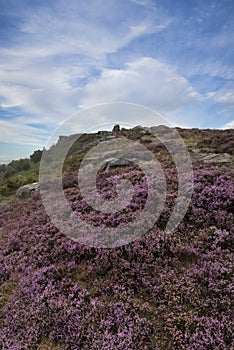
60,57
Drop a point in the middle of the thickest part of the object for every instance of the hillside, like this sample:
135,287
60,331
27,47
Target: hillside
158,292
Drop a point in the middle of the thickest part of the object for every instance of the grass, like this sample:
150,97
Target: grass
46,344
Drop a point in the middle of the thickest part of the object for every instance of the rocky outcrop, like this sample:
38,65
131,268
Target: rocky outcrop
114,163
27,190
116,129
212,157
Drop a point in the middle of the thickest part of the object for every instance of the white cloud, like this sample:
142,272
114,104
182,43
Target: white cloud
57,49
222,96
229,125
20,133
92,29
216,69
48,90
139,2
145,81
225,97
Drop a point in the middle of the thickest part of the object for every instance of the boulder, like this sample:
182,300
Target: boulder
27,190
141,130
116,129
212,157
114,163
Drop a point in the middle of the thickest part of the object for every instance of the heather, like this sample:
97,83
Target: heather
171,291
23,171
218,141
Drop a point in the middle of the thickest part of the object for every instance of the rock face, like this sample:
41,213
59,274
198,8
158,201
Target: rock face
212,157
103,133
116,129
114,163
27,190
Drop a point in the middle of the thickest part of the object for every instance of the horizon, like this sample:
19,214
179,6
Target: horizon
7,161
58,59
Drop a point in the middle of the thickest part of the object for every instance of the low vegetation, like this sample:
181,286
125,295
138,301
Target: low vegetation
159,292
18,173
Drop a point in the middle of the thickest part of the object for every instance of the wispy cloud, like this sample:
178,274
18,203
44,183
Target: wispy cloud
224,96
59,47
145,81
229,125
21,133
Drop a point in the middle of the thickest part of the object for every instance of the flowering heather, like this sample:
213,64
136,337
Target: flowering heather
159,292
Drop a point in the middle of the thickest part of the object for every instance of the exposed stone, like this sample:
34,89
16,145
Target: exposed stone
116,129
160,130
103,133
113,163
141,130
27,190
110,137
212,157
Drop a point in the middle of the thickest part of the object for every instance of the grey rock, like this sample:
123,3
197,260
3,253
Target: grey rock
27,190
113,163
213,157
103,133
141,130
111,137
116,129
160,130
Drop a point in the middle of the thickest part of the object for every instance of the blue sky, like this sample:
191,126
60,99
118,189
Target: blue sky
58,57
